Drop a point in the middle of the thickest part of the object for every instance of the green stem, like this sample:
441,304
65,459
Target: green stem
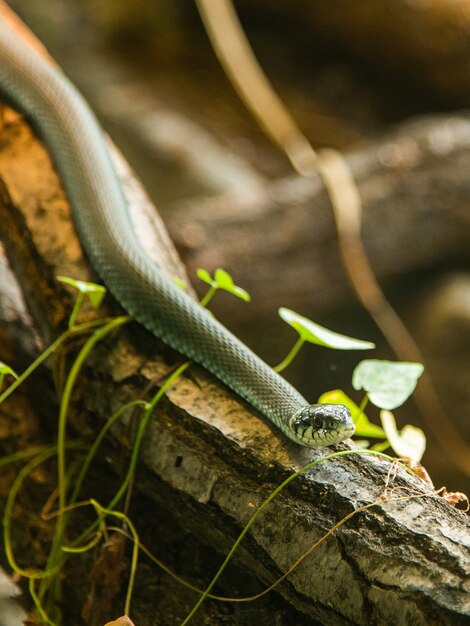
61,437
76,309
77,330
208,297
361,408
290,357
34,365
37,603
363,404
103,512
88,546
10,503
135,448
64,409
381,446
141,431
96,444
33,451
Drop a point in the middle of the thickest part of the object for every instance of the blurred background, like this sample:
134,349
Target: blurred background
352,75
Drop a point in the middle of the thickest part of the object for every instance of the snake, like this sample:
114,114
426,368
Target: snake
74,138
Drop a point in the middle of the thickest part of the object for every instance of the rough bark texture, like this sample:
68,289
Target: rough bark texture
209,460
414,188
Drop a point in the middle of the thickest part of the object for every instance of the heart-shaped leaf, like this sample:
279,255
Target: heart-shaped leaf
204,275
95,293
223,279
6,370
314,333
388,383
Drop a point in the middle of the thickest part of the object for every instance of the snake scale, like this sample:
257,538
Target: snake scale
73,136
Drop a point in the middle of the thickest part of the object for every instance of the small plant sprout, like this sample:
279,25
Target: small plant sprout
220,280
310,332
5,370
95,294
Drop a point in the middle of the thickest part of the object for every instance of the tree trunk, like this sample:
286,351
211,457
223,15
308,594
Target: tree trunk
209,460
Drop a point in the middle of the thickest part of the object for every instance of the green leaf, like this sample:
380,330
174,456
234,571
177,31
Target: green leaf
364,428
6,370
410,442
95,293
241,293
314,333
388,383
381,446
204,275
223,280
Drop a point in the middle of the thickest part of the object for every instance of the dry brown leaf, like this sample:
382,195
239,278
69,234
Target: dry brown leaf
454,498
105,578
419,470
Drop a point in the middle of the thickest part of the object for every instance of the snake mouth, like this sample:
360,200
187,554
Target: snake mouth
322,425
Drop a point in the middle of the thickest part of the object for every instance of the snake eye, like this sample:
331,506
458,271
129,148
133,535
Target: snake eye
318,421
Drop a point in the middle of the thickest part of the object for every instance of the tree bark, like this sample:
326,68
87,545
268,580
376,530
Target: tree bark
209,460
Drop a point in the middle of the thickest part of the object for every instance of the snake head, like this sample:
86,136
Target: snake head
319,425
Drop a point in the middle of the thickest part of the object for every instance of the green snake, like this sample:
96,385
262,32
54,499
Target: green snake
76,141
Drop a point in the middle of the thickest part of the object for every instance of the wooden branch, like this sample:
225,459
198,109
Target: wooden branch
413,185
209,460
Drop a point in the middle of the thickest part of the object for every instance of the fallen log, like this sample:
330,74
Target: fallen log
414,189
209,460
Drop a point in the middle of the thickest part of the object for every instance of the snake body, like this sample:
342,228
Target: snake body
74,138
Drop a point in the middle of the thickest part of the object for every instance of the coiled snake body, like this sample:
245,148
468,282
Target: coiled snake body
100,213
